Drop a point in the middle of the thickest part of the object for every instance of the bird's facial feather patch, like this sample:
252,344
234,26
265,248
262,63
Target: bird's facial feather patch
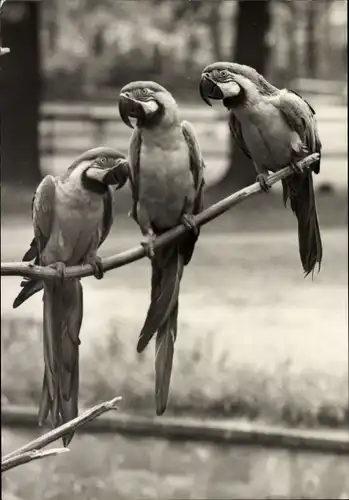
221,74
219,85
233,89
148,102
104,172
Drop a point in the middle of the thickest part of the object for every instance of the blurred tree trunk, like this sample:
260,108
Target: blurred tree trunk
192,46
157,62
214,25
310,52
325,47
293,71
98,43
253,22
20,94
52,25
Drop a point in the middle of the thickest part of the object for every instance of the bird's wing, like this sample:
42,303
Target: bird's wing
32,253
196,162
300,117
134,161
42,215
235,129
296,93
107,215
43,212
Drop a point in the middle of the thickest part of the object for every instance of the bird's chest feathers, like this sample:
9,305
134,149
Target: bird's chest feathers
164,175
166,184
78,207
266,134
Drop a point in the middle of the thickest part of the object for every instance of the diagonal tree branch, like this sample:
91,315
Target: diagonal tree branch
22,455
137,253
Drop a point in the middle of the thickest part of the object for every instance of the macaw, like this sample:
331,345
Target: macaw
275,128
72,216
166,175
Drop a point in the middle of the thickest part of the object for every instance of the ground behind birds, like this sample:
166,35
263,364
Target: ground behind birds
255,338
106,467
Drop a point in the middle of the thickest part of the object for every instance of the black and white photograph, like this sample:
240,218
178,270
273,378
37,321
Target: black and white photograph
174,249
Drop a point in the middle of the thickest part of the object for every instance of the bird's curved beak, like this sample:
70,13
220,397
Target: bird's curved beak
116,175
210,89
130,108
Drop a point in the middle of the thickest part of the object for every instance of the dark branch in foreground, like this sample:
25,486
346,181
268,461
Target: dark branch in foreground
137,253
30,451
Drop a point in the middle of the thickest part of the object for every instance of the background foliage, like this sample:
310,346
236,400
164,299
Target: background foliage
109,43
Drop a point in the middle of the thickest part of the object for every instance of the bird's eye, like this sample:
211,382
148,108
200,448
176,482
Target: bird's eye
102,160
224,73
144,92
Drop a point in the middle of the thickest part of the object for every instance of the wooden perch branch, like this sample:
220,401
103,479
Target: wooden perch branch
137,253
30,451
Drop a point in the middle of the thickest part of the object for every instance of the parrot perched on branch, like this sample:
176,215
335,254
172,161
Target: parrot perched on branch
275,128
72,216
166,174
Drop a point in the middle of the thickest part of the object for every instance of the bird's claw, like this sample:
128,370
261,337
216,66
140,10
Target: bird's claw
189,222
295,168
148,245
97,266
60,268
262,179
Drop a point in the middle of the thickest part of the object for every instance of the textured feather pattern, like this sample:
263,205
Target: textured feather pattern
300,117
70,223
63,309
164,349
275,129
167,272
166,174
299,190
30,286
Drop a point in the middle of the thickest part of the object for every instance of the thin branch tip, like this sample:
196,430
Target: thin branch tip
29,456
34,449
47,453
112,404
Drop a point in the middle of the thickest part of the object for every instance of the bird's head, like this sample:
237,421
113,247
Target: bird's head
234,84
148,103
99,168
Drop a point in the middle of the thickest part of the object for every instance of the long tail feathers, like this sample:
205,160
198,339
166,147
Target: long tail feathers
300,190
167,271
164,349
63,311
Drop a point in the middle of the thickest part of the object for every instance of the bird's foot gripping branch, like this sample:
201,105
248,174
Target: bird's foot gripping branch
137,253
